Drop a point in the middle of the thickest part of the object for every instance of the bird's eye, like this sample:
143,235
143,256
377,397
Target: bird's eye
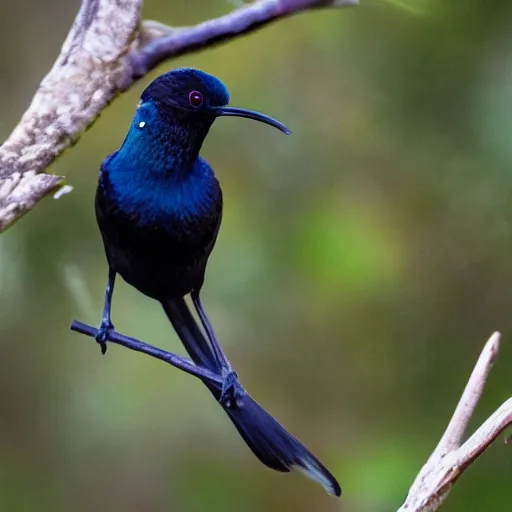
195,98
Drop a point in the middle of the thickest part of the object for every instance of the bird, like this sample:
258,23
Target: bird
158,207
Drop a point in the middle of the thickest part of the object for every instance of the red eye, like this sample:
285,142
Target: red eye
195,98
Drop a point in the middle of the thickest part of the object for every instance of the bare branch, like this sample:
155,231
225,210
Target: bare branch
179,362
452,437
103,55
449,460
177,41
83,80
486,434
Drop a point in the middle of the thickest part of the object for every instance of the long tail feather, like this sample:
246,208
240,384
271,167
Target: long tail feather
191,336
276,447
267,439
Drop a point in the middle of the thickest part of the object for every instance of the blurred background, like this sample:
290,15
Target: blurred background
361,266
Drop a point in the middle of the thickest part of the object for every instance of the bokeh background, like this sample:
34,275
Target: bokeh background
361,266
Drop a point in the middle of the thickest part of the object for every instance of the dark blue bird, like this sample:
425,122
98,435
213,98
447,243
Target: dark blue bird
159,209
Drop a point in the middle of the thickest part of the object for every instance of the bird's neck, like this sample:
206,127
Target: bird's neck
159,151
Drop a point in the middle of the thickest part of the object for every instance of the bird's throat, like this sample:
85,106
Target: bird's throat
143,191
162,144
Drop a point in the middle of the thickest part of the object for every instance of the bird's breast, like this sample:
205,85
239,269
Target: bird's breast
159,238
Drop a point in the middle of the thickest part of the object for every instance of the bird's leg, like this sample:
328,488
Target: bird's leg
220,356
106,324
232,391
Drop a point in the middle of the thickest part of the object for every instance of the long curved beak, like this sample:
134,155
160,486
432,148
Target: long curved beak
251,114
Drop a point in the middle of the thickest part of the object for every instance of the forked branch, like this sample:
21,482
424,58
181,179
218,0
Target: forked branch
452,457
108,48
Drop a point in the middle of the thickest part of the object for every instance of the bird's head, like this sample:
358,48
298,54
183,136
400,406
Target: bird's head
173,117
195,98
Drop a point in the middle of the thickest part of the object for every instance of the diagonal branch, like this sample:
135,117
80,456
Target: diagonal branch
108,48
83,80
161,44
451,458
139,346
454,433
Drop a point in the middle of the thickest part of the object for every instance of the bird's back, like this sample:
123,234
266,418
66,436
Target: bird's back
158,234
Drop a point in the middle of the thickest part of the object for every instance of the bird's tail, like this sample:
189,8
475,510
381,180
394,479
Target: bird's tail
268,440
276,447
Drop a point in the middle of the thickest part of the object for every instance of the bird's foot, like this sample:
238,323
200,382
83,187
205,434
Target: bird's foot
232,391
102,335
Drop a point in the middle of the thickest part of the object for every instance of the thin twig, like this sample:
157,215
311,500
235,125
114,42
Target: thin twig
450,459
139,346
452,437
486,434
105,52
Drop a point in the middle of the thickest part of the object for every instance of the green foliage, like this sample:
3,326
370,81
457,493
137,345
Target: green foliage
344,248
